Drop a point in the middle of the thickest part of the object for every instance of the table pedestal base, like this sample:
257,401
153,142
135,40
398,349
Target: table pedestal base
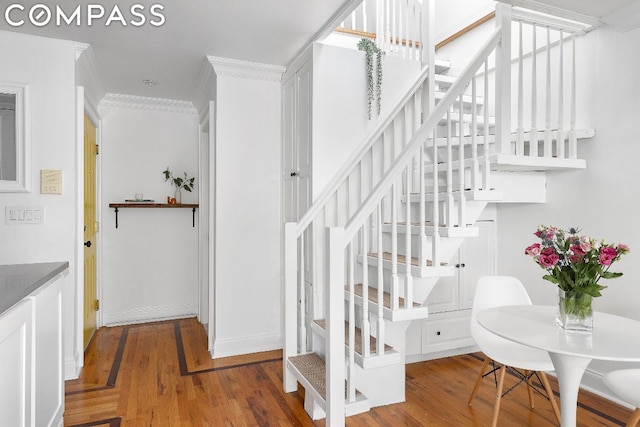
569,370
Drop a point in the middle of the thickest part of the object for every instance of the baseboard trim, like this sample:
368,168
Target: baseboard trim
72,367
149,314
245,345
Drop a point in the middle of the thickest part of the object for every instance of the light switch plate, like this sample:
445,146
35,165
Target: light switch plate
24,215
50,181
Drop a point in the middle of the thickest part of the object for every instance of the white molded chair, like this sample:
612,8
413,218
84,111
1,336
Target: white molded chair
626,384
496,291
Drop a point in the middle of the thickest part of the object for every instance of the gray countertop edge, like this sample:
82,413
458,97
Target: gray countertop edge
18,281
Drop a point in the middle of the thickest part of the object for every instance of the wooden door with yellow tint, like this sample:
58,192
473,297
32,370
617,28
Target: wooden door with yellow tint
90,229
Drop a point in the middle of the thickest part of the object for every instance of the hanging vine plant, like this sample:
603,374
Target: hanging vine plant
374,86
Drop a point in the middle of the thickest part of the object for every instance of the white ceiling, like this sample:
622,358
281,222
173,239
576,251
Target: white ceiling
265,31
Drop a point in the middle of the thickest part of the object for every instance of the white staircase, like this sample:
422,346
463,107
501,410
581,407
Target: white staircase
413,192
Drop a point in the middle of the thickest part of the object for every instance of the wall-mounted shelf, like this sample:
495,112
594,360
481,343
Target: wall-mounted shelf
137,205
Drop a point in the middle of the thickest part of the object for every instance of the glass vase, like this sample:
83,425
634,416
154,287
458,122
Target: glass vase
574,311
178,196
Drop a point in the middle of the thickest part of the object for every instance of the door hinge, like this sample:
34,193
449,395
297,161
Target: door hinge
96,305
97,149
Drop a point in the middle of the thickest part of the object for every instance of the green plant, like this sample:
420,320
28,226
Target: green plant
374,91
179,182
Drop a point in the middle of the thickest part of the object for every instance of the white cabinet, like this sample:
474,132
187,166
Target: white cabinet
16,365
447,327
31,359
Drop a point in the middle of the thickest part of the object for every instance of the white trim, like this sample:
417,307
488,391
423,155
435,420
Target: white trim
149,314
145,103
73,366
554,11
204,91
78,284
246,344
245,69
22,183
87,76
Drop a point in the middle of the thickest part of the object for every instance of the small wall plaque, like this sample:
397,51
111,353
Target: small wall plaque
50,181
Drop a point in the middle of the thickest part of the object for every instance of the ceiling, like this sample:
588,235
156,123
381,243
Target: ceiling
264,31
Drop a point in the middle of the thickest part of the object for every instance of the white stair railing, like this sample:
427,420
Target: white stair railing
545,96
342,236
397,25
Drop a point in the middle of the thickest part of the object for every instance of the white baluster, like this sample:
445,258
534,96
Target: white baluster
422,244
451,219
408,280
380,293
364,15
461,198
520,128
366,326
353,20
573,141
379,24
435,252
487,163
394,27
394,246
351,393
560,137
533,143
475,168
303,300
547,136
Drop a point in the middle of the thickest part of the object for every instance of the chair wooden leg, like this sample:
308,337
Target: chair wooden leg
496,406
479,380
635,417
552,398
530,389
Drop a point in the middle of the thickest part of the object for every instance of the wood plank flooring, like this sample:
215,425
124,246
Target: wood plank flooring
160,374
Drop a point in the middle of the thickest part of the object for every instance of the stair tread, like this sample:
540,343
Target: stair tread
313,368
373,296
401,259
358,338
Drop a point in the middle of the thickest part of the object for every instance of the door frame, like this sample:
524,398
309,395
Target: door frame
84,106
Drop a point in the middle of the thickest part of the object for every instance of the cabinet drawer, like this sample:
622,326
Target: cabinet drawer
444,334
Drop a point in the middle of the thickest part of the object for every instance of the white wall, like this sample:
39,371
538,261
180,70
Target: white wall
150,262
47,65
340,121
602,200
247,214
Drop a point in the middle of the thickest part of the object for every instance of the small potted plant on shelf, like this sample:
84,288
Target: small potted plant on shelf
180,183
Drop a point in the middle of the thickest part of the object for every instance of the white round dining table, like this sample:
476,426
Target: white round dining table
613,338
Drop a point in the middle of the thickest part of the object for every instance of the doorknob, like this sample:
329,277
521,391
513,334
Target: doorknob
294,173
88,243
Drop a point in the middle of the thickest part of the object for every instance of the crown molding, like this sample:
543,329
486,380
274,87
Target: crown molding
80,48
245,69
145,103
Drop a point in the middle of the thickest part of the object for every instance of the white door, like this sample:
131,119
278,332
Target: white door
297,143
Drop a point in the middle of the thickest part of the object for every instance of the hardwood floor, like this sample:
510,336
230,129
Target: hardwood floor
160,374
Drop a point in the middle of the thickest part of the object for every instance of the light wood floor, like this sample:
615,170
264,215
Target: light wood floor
160,374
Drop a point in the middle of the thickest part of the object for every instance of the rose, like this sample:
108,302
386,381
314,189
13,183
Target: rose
548,258
577,250
607,255
533,250
623,248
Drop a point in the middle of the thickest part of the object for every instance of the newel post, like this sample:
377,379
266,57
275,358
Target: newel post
334,311
290,303
503,80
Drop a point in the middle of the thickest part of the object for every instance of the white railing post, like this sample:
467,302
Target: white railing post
334,309
503,80
290,303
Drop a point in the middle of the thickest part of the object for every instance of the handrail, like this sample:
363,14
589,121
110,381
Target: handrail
358,218
467,29
344,172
